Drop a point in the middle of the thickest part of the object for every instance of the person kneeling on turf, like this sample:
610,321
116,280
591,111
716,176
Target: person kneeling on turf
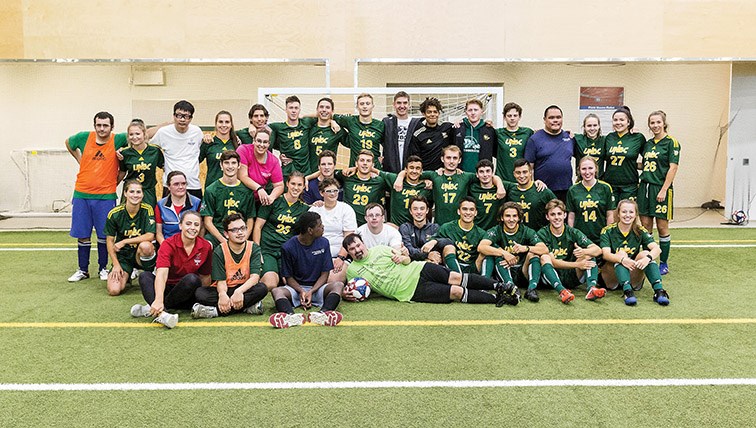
305,264
571,258
394,275
236,274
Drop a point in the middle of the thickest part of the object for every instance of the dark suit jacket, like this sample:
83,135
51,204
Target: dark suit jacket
391,153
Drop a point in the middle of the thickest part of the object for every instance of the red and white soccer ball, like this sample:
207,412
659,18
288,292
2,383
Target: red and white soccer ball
359,288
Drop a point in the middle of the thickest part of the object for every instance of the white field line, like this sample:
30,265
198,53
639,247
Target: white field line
374,384
673,246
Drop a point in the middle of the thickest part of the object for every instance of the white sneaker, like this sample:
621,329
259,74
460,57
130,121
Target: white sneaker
284,320
139,311
134,274
168,320
202,311
256,309
78,276
104,274
327,318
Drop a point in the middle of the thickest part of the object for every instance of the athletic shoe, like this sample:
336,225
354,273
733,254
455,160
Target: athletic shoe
630,299
168,320
78,276
139,311
327,318
532,295
256,309
134,274
663,268
661,297
566,296
104,274
202,311
284,320
595,293
507,294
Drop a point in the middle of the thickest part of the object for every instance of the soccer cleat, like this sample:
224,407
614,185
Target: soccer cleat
595,293
202,311
168,320
663,268
327,318
78,276
532,295
104,274
661,297
507,294
566,296
256,309
139,311
134,274
284,320
630,299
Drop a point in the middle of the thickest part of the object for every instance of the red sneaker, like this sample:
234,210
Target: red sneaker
595,293
284,320
327,318
566,296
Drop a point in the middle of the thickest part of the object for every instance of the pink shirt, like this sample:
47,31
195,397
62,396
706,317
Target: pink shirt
262,174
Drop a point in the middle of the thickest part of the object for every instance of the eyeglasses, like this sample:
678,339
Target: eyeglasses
238,229
182,116
331,191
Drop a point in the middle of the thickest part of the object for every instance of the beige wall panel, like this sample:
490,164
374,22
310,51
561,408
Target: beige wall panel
710,28
694,96
11,29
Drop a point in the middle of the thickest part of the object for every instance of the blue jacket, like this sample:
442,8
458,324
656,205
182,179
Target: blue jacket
170,218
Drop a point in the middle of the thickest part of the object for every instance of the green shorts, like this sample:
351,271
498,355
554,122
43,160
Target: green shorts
129,262
569,278
624,192
648,205
270,263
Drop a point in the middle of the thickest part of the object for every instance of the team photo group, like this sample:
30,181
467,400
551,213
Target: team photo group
425,210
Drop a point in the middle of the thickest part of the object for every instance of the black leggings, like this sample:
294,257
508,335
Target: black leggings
209,295
178,296
433,285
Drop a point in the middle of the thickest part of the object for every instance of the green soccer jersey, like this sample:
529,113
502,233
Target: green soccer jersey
142,167
399,213
122,225
590,206
466,241
657,156
447,191
221,200
361,136
280,217
320,139
621,154
244,136
212,152
594,148
389,279
359,193
506,241
219,261
510,147
532,202
292,142
562,246
613,238
487,205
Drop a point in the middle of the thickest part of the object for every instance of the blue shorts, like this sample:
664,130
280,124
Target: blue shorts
89,213
317,298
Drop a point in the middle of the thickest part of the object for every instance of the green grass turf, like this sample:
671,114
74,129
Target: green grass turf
705,283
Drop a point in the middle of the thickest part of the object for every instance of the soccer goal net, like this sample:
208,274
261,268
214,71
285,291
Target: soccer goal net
452,99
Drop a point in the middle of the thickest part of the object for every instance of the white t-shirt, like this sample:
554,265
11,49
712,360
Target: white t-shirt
335,222
181,152
401,131
388,236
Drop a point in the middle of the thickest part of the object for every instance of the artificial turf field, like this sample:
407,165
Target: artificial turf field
53,332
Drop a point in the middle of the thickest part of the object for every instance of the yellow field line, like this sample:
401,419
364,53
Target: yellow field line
714,241
389,323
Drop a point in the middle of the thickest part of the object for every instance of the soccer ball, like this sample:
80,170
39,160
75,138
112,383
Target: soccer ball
739,217
359,288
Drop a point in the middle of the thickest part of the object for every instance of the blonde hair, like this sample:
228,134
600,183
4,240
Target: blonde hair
637,227
659,113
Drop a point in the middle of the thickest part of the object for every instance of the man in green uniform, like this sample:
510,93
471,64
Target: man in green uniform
365,133
486,196
290,138
322,135
397,277
412,187
511,142
364,186
226,196
571,260
460,239
513,248
525,193
258,119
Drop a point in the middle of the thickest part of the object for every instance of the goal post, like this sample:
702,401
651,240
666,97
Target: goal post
453,99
